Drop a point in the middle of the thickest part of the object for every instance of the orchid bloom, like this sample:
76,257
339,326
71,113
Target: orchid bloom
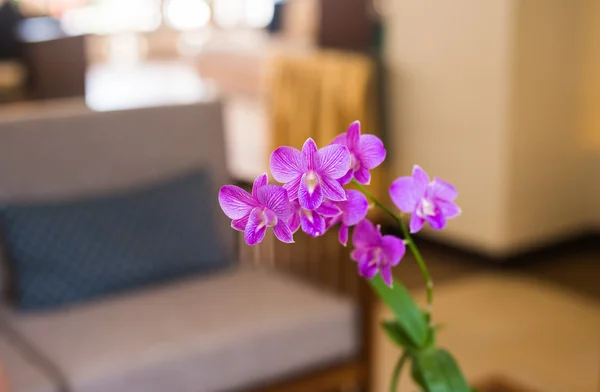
267,206
367,153
311,175
311,221
348,213
375,252
431,202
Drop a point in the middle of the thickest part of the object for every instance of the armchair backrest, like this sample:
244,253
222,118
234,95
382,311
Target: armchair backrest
52,151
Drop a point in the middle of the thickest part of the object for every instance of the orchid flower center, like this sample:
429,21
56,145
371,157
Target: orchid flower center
376,258
427,208
267,218
354,162
312,180
307,213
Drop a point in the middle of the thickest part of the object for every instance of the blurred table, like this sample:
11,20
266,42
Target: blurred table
535,334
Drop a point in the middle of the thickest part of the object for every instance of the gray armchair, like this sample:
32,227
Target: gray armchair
285,318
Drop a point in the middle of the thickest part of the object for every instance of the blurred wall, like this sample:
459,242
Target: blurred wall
449,68
547,159
590,83
485,95
591,73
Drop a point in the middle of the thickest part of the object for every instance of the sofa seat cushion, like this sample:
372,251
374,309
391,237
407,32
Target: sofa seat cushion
21,371
230,331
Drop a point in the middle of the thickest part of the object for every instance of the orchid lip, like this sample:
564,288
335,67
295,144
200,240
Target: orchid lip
312,180
376,257
307,214
426,209
268,219
355,162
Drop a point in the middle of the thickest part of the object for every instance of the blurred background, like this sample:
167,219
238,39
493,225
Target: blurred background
500,98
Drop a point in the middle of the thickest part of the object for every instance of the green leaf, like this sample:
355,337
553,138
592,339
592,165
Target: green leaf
409,316
398,335
436,371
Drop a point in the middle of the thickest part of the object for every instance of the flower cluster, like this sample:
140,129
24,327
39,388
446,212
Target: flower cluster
314,199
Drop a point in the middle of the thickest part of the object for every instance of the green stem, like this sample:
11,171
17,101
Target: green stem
397,371
364,190
422,266
411,245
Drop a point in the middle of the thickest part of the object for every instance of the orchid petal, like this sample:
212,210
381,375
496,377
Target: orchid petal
386,275
354,208
292,187
332,189
294,222
353,135
332,221
367,269
283,233
365,235
343,234
449,209
393,248
421,178
275,198
437,222
443,190
416,223
339,139
371,151
309,200
310,155
240,224
260,181
360,254
286,164
362,175
235,202
405,194
313,224
256,228
333,161
347,177
329,209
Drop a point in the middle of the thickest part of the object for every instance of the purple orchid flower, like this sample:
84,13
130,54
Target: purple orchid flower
348,212
267,206
376,253
431,202
367,153
311,221
310,176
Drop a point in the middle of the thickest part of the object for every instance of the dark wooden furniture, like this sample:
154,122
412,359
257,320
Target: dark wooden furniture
56,61
346,24
501,384
56,67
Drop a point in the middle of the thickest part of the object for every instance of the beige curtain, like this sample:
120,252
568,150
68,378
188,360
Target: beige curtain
319,95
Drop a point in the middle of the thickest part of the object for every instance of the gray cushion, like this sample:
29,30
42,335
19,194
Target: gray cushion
230,331
21,370
71,251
